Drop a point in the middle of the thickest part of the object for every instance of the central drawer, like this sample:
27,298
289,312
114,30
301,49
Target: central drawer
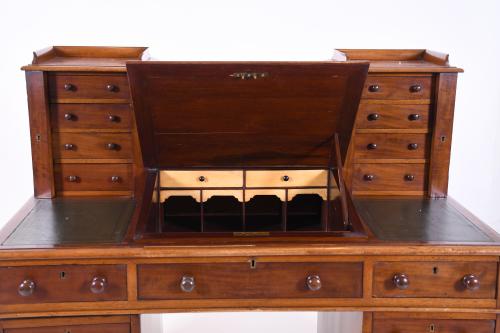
250,280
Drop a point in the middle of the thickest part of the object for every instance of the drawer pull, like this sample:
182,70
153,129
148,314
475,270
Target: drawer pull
409,177
98,285
26,288
285,178
69,87
202,179
115,179
113,118
373,116
187,284
72,179
371,146
69,116
414,117
111,88
401,281
112,146
69,146
416,88
374,88
413,146
471,282
313,282
369,177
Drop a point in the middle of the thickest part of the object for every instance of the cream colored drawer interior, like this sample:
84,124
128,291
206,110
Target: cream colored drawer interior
286,178
201,178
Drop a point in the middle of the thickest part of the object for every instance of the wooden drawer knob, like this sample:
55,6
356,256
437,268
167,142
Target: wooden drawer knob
115,179
98,285
111,88
371,146
113,118
72,179
409,177
313,282
373,117
413,146
374,88
401,281
26,288
416,88
414,117
112,146
69,116
471,282
285,178
69,87
202,179
369,177
69,146
187,283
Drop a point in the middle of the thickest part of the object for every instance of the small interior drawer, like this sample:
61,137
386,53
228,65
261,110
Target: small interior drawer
397,87
68,86
93,177
286,178
201,179
384,176
92,145
90,116
390,116
390,146
435,279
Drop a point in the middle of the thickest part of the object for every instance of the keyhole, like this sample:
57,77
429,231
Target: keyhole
67,330
432,328
435,270
443,138
62,275
253,263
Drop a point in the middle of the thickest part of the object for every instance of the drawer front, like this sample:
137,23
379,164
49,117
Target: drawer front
286,178
90,116
396,177
202,178
383,146
434,279
64,86
398,87
65,283
389,116
93,177
238,280
92,145
433,325
97,328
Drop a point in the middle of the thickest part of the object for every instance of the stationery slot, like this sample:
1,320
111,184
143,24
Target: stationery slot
223,213
264,213
181,214
305,212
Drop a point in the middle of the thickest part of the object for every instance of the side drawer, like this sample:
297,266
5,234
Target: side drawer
90,116
389,116
239,280
433,325
63,283
286,178
396,177
393,146
475,280
202,178
93,177
85,328
91,324
104,86
397,87
92,145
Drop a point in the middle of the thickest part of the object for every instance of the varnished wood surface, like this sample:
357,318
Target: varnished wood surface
94,177
90,145
88,86
390,146
379,177
90,117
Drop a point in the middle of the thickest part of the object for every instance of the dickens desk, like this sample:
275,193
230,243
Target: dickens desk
191,186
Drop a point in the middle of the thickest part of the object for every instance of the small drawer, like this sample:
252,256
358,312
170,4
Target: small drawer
475,280
398,87
246,280
392,325
286,178
390,146
202,178
64,86
92,324
90,116
92,145
389,116
396,177
64,283
93,177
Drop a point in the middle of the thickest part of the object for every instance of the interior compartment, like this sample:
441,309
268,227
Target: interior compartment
264,213
305,212
222,213
181,214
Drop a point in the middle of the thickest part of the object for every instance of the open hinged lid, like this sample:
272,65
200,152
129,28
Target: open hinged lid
244,114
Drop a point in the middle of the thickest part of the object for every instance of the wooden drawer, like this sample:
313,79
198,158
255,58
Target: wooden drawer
92,145
433,325
64,283
86,328
393,146
395,177
93,177
67,86
202,178
397,87
434,279
389,116
90,116
93,324
239,280
286,178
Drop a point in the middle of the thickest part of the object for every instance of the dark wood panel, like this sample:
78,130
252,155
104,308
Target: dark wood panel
238,280
70,86
397,87
395,146
397,177
96,328
435,279
391,116
433,325
64,283
93,177
92,145
90,116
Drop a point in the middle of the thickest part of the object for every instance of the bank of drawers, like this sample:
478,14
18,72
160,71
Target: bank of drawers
392,139
91,124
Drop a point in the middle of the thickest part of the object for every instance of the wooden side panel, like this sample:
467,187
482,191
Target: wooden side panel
446,84
41,140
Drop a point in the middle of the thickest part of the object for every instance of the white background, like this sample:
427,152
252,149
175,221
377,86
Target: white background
266,30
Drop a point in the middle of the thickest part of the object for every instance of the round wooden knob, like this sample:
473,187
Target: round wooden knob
313,282
401,281
26,288
111,88
69,116
371,146
414,117
69,146
409,177
285,178
115,179
471,282
72,179
374,88
69,87
413,146
416,88
202,179
112,146
187,283
98,285
369,177
113,118
373,116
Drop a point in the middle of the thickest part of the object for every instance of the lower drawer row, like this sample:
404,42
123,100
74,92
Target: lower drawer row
252,279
